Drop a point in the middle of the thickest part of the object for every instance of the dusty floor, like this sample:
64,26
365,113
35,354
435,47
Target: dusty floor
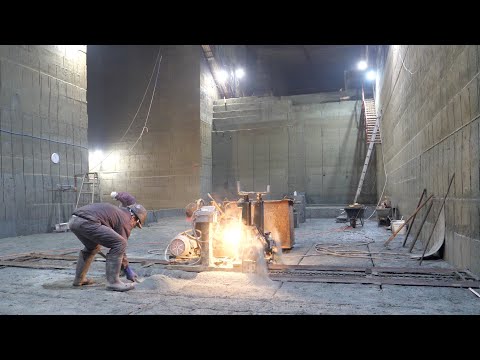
168,291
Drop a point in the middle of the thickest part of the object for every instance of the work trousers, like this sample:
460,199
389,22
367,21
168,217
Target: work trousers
93,235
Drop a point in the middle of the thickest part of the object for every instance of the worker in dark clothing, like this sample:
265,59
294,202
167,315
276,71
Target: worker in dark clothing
103,224
124,197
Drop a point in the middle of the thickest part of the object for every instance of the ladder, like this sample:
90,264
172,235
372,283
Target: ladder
89,190
371,121
373,137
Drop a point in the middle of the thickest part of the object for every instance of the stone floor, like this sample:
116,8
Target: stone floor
176,292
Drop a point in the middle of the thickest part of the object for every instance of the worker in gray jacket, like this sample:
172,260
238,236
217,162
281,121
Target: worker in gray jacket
124,197
104,224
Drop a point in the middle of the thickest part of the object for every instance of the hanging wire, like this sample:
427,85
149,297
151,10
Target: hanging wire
138,110
403,62
150,106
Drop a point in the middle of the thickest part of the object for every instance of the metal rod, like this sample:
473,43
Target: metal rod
80,193
421,226
424,192
438,217
406,221
476,293
215,204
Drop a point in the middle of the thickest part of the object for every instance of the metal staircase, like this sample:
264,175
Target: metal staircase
370,121
89,190
373,136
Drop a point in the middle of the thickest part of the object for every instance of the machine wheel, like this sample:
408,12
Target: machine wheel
353,223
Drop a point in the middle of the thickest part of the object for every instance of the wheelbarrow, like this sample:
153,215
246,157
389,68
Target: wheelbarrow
383,215
355,212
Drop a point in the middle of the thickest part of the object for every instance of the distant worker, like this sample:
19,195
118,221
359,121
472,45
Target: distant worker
124,197
104,224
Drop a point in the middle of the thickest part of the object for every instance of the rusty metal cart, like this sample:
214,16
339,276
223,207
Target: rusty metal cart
354,213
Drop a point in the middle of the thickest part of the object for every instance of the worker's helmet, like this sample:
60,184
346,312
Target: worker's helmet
140,212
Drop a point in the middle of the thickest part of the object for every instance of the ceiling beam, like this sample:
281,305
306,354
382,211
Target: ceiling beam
213,65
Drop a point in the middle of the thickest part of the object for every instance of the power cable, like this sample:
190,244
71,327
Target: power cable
138,110
403,63
150,106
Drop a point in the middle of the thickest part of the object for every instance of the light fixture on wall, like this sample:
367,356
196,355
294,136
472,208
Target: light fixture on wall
371,75
222,76
94,157
239,73
362,65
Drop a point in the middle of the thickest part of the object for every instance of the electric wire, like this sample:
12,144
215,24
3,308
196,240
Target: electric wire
190,236
150,106
138,110
403,62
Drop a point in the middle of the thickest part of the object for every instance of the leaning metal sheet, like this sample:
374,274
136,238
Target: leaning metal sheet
438,238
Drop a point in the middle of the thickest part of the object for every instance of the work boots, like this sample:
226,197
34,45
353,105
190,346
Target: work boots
83,264
113,265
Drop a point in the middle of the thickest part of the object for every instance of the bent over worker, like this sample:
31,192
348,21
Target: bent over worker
104,224
124,197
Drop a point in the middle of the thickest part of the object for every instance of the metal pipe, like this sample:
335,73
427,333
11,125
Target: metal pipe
424,192
421,226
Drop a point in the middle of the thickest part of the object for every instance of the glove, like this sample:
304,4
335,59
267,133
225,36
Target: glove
130,274
113,194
